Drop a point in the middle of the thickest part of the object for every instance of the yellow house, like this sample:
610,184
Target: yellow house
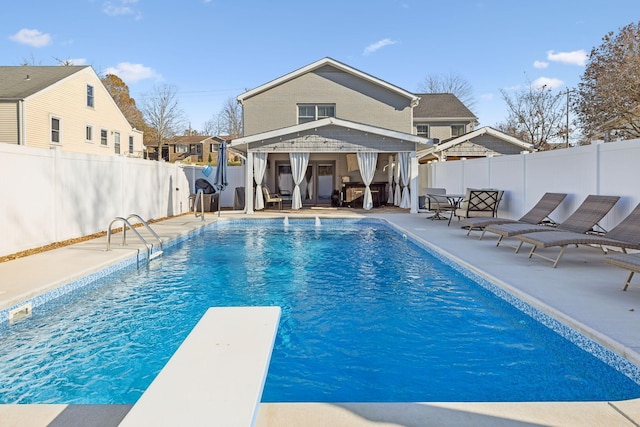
66,107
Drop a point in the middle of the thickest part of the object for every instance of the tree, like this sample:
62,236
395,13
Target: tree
119,91
163,115
227,122
449,83
535,115
608,100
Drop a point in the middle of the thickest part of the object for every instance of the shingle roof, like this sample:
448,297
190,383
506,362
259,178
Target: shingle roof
19,82
440,105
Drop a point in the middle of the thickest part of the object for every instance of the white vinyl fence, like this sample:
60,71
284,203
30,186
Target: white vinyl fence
605,169
52,195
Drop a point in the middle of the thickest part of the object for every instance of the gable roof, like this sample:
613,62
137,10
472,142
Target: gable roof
319,64
441,106
241,143
19,82
468,137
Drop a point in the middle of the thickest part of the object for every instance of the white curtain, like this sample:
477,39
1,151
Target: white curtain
299,162
397,193
367,163
390,172
259,167
404,165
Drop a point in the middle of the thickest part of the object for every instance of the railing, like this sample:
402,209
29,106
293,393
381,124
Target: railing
199,197
126,223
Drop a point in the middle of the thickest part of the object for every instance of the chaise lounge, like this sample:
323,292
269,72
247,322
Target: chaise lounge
537,215
625,235
582,220
629,262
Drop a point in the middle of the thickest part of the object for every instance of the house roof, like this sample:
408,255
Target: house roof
441,106
241,143
321,63
19,82
486,130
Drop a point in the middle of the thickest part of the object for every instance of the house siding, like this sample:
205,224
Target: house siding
355,99
67,100
9,122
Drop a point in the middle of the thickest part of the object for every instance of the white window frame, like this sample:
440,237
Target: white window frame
104,137
91,97
116,142
53,131
88,134
462,128
422,134
181,149
317,112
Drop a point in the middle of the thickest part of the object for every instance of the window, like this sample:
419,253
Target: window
423,130
56,130
457,130
116,142
103,137
181,148
131,145
89,96
308,113
88,133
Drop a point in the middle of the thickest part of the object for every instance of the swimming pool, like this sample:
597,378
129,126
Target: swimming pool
384,320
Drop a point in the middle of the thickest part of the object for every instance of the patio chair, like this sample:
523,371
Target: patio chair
477,203
625,235
437,202
582,220
539,214
629,262
271,198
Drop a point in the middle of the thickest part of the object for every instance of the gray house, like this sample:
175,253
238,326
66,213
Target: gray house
328,133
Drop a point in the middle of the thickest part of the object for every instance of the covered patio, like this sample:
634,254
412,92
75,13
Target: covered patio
314,163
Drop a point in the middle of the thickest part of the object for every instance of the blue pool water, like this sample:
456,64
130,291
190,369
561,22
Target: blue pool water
367,315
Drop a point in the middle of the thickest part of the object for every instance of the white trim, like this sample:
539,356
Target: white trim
328,122
321,63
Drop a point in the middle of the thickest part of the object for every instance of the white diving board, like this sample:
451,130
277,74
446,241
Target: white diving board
217,375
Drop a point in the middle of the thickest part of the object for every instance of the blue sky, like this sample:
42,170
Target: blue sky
213,50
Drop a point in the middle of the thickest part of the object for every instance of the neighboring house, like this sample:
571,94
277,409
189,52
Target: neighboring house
305,133
482,142
441,116
191,148
66,107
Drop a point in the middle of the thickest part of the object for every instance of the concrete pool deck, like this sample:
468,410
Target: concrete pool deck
582,292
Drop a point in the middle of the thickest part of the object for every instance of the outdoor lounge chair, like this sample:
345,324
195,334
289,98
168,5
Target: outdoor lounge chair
272,198
582,220
537,215
629,262
477,203
625,235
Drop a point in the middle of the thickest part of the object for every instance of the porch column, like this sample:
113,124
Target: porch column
248,184
413,182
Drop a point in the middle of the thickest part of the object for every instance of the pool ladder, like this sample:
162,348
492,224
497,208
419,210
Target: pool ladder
151,254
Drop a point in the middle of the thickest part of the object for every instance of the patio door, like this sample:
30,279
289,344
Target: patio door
316,187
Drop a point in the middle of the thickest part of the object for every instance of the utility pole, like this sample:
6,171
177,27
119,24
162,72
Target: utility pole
567,135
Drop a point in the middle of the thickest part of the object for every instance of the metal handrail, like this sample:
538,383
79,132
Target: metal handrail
147,226
124,227
199,196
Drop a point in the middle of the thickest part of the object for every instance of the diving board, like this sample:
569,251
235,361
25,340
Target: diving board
217,375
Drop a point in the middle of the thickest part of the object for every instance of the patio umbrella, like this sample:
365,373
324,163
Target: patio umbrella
220,181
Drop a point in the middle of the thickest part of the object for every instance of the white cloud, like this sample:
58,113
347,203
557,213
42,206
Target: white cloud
551,83
33,38
132,73
378,45
119,8
577,57
540,64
